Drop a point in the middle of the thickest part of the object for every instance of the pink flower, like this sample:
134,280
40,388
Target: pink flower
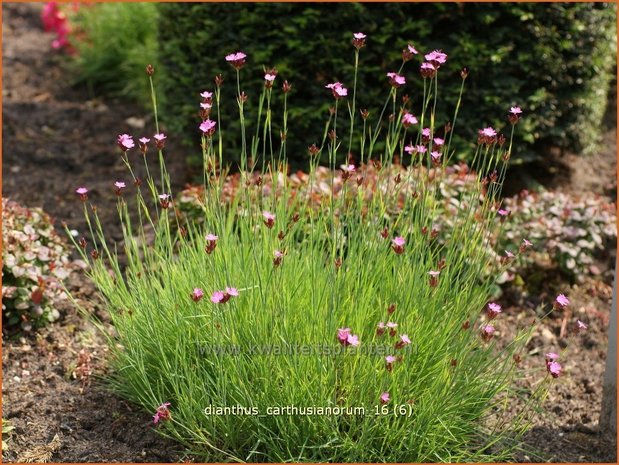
51,16
125,142
211,243
346,338
269,77
197,294
438,141
525,244
380,329
119,186
503,213
408,119
551,357
206,106
232,291
269,219
515,110
434,278
487,331
437,57
562,301
348,168
208,127
421,149
342,335
426,133
581,326
396,80
164,200
493,310
509,254
392,328
398,245
143,141
487,136
278,256
389,360
160,140
221,297
554,368
338,90
83,193
162,413
237,60
427,70
404,341
385,398
487,132
206,95
358,40
436,157
409,52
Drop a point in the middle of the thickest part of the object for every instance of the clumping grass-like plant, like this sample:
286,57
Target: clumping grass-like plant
323,324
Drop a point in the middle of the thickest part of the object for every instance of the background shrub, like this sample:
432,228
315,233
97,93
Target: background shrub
35,261
572,231
114,42
552,59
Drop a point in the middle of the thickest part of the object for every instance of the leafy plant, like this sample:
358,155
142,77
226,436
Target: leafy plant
112,42
35,261
571,230
325,321
7,432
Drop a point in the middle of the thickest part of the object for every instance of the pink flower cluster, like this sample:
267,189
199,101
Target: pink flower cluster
56,21
492,311
207,126
125,142
433,62
221,297
552,366
162,413
346,338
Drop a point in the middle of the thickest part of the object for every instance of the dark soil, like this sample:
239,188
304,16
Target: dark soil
57,137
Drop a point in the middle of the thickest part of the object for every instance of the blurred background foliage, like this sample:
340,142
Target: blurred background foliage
113,44
555,60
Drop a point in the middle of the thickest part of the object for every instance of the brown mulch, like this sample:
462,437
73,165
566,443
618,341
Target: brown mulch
57,137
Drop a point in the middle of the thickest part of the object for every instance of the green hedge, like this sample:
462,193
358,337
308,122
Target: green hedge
554,60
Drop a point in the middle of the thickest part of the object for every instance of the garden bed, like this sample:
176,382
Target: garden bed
57,137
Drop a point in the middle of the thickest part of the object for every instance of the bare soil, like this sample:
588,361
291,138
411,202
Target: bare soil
57,137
